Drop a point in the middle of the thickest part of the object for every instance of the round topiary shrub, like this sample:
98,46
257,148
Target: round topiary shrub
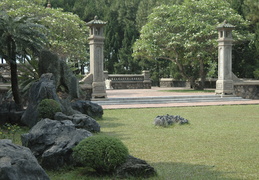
102,153
48,107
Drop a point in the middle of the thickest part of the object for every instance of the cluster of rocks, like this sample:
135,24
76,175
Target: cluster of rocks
45,88
52,141
168,120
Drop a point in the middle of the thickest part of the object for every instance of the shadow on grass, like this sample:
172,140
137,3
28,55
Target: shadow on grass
189,172
110,123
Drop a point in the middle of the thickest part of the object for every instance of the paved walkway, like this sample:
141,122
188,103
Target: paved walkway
156,92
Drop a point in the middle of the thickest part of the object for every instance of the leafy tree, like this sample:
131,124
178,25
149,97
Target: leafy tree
245,55
18,36
252,7
112,42
146,7
122,29
174,33
67,32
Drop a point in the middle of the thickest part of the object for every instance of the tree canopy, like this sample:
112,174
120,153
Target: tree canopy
125,19
174,33
67,32
19,35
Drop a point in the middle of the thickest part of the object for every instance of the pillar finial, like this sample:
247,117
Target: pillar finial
49,4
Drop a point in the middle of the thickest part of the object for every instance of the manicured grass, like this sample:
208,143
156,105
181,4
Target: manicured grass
189,91
221,142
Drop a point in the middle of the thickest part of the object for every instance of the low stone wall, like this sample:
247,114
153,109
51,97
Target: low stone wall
128,81
170,82
247,89
130,85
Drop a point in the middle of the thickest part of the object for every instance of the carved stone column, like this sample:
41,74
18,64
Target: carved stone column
224,84
96,42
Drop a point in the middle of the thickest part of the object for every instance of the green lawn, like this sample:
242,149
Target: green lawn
221,142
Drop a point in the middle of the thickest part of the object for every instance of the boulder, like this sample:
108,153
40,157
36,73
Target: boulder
88,107
51,141
80,121
134,167
64,77
18,162
43,89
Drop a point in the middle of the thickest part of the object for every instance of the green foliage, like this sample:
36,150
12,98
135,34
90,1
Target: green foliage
256,74
8,131
67,32
19,35
48,107
186,35
102,153
28,75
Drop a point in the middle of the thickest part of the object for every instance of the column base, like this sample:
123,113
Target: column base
224,87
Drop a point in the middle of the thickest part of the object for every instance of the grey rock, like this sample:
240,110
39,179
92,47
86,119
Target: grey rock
43,89
18,162
134,167
52,141
80,120
168,120
50,63
88,107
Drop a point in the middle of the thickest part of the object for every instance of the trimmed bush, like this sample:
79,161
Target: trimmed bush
48,107
102,153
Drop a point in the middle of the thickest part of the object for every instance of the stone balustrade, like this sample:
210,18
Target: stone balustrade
247,89
128,81
170,82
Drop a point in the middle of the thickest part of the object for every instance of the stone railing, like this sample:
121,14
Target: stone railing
170,82
248,89
128,81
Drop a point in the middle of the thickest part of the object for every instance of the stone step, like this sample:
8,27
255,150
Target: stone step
168,99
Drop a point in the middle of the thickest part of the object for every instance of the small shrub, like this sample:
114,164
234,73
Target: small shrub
48,107
102,153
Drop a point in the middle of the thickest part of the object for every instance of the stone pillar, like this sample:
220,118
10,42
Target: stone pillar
147,82
224,84
96,41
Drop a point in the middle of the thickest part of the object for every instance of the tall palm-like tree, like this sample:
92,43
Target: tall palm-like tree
19,36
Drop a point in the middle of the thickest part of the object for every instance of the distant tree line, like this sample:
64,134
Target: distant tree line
125,22
127,17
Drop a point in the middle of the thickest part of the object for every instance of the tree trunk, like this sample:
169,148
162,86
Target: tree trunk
14,75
